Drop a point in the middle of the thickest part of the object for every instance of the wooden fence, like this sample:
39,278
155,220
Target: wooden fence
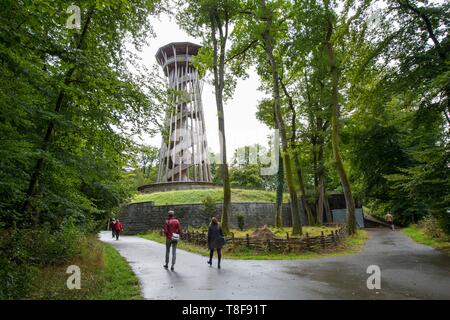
287,244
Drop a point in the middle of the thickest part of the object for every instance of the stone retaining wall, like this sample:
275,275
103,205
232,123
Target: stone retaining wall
143,216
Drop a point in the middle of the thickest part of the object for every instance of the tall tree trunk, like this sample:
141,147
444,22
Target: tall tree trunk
315,160
268,47
301,183
321,200
280,187
320,173
350,203
293,146
219,75
50,128
327,206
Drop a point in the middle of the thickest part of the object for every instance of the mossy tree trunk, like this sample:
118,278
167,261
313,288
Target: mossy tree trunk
268,48
219,48
349,201
279,200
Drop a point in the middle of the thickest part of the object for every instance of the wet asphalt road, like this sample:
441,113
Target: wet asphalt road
408,271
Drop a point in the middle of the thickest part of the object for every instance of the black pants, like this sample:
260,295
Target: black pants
113,232
219,254
117,234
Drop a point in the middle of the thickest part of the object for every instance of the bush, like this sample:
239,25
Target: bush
16,275
431,227
240,220
23,251
209,206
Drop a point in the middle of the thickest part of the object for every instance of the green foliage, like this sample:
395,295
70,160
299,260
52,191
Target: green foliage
145,166
418,234
431,227
247,165
241,221
68,104
105,275
248,176
209,205
25,251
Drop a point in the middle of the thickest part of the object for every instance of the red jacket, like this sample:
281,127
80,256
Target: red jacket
118,226
175,227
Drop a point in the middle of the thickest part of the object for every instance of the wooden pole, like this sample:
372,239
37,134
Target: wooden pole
307,242
322,239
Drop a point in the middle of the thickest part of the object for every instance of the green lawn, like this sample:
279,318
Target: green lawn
281,232
418,235
278,232
350,245
197,196
105,275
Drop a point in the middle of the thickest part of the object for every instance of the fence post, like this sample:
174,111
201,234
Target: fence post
268,244
307,242
322,239
287,235
334,238
248,240
336,234
232,237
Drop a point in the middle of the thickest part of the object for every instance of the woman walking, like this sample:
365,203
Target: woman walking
215,240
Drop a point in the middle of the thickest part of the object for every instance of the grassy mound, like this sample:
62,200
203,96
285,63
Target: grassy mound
197,196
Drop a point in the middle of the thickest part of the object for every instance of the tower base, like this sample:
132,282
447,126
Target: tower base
172,186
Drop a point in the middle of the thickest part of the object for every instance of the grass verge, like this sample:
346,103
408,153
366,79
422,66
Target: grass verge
349,245
105,275
418,235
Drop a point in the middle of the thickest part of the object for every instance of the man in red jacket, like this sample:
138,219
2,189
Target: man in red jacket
172,230
118,227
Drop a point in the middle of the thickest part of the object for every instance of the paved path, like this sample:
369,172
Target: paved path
408,271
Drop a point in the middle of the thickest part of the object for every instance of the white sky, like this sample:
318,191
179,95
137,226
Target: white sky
241,126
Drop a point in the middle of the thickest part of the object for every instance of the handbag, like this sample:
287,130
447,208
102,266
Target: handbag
175,237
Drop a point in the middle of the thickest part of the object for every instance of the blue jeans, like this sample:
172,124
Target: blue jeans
170,243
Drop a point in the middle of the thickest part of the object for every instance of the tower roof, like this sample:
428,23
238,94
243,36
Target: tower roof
181,48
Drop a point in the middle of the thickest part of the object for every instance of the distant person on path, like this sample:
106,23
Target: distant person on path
118,227
216,241
390,220
172,230
113,227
